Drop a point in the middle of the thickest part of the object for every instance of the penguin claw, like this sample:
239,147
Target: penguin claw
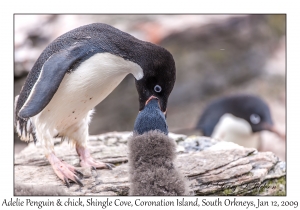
79,174
65,171
67,182
78,181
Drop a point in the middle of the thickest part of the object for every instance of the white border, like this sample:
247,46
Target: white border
54,6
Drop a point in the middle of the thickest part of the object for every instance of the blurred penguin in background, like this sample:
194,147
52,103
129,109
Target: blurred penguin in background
237,118
151,156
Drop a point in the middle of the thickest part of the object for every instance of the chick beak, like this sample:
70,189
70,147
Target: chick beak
273,129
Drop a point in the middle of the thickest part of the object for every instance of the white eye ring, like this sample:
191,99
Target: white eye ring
157,88
255,118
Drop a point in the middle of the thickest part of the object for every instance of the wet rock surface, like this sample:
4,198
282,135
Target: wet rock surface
215,168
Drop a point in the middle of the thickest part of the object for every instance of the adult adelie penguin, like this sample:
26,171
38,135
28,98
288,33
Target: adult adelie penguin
236,118
76,72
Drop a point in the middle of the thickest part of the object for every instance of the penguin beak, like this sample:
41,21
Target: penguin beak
273,129
154,97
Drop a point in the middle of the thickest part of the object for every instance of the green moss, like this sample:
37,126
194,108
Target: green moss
282,180
227,191
272,187
276,184
280,193
265,185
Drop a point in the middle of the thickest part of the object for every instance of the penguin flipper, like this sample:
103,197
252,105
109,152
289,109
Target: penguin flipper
51,75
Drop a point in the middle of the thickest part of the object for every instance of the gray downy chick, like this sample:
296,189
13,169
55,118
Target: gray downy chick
151,157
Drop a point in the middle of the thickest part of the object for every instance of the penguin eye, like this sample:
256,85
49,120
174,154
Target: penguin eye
157,88
255,118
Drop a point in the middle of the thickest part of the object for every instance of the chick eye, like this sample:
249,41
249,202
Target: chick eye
255,118
157,88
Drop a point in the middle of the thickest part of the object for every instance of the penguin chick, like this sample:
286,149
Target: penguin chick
237,118
151,166
151,157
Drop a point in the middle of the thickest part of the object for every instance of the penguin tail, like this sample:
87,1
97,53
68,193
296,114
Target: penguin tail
24,127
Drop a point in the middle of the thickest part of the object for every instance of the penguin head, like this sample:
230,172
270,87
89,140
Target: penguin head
158,80
252,109
247,107
151,118
255,111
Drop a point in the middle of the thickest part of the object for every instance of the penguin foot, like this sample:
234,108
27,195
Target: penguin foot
86,160
65,171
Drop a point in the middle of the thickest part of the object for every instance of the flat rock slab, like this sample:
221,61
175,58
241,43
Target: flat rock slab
210,166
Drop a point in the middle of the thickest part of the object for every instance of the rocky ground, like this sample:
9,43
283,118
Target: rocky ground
211,167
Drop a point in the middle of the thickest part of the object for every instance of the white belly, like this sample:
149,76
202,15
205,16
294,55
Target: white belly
81,90
237,130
